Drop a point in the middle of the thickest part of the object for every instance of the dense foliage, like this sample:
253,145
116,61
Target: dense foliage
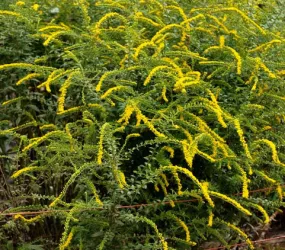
106,105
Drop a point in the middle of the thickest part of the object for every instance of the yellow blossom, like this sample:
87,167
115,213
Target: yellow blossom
20,3
231,201
36,7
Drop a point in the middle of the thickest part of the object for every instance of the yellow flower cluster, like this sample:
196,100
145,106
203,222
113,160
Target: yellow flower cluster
261,210
127,114
265,46
41,139
34,219
163,94
210,219
12,101
241,138
153,225
110,15
279,191
265,176
63,91
184,226
28,77
20,3
153,72
170,150
231,201
204,188
53,36
139,16
140,116
94,191
177,179
240,232
10,13
272,146
141,47
24,170
245,181
121,179
48,126
26,125
111,90
67,242
101,139
189,151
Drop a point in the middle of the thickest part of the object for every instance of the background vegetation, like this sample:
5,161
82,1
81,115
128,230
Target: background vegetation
110,104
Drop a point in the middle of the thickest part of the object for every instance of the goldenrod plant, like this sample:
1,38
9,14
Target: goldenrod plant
114,111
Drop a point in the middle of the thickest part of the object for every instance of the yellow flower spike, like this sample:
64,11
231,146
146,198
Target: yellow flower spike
188,173
265,176
69,135
12,101
189,151
178,182
163,187
53,36
210,219
239,231
217,21
192,19
231,201
279,192
272,146
163,94
36,7
101,139
9,13
56,27
41,139
23,66
222,41
233,9
267,70
146,121
176,67
71,110
159,235
25,170
27,77
263,47
156,187
103,78
167,28
48,126
20,3
164,177
141,47
34,219
241,137
111,90
153,72
126,115
182,14
56,74
67,242
169,150
108,16
140,16
63,90
261,210
183,225
122,179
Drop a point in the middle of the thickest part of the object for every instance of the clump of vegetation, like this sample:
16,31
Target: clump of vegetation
112,112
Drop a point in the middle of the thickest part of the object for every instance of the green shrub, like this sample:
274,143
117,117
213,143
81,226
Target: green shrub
111,104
